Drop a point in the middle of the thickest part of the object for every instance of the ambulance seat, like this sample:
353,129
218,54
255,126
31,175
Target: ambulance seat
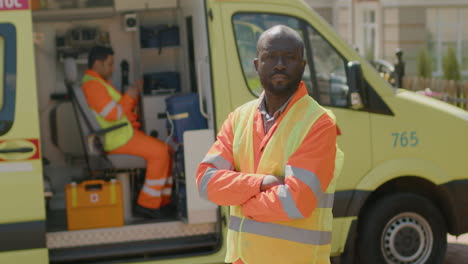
91,132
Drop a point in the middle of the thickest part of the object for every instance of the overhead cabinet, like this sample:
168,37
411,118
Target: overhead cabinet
134,5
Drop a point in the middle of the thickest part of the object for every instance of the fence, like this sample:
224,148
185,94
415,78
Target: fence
453,92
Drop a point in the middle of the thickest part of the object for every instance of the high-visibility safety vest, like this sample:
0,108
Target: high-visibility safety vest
117,137
305,240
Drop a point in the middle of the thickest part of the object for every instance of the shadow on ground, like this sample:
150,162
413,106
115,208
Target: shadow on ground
456,254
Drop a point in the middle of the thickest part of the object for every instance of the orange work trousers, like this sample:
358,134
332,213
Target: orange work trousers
156,191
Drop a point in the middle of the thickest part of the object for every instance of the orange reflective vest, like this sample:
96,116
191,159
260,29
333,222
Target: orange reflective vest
290,223
118,137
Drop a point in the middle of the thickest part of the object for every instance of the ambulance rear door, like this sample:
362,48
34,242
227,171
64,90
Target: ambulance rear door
22,214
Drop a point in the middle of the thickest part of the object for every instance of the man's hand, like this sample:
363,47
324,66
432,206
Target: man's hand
270,181
135,90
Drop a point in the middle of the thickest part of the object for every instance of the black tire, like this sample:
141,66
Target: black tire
402,228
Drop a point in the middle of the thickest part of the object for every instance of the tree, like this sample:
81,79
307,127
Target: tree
424,64
450,65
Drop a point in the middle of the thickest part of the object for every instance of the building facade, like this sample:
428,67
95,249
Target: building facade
377,28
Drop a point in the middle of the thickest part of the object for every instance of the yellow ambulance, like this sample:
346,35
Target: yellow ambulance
403,186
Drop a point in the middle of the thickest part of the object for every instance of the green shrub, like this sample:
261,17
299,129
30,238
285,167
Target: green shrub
424,64
450,65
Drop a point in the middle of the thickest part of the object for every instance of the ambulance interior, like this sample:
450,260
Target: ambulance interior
172,63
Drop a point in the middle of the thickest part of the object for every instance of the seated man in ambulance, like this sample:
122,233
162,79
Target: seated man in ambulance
111,108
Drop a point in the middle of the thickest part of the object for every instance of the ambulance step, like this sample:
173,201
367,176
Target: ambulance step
137,251
130,233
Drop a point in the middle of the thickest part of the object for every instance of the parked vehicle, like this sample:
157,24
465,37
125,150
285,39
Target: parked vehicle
403,185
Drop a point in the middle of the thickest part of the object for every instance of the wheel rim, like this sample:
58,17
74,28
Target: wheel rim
407,239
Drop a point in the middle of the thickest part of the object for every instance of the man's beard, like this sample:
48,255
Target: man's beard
281,89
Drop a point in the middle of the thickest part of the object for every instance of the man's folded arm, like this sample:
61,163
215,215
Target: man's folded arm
308,173
216,178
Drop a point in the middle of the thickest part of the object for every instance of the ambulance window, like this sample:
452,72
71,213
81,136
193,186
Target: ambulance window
330,71
7,76
325,73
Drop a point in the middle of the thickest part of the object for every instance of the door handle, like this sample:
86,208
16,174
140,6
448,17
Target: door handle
16,150
200,90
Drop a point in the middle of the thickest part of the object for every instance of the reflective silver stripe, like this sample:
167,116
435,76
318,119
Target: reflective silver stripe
234,223
119,111
289,233
289,205
218,161
326,201
167,191
307,177
108,108
170,180
203,187
159,182
151,192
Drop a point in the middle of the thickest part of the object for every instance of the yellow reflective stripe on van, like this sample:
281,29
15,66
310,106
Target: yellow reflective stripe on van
289,233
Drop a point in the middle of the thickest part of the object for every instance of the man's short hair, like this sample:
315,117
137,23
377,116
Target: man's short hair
282,29
98,53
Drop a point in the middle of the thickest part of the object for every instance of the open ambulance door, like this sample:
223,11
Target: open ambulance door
22,213
197,142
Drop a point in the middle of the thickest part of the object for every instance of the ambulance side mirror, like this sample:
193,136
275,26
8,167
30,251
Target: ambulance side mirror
356,85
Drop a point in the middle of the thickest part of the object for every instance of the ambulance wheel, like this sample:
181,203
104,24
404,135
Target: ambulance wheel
402,228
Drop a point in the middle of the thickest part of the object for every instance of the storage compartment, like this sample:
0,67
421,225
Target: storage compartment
66,4
126,5
154,113
159,36
161,82
184,114
94,204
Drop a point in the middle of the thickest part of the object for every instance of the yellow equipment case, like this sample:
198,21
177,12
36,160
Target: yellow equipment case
94,204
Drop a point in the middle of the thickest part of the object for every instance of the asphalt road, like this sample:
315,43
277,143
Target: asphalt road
457,250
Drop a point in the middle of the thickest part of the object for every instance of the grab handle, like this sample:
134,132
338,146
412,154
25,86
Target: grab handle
200,89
